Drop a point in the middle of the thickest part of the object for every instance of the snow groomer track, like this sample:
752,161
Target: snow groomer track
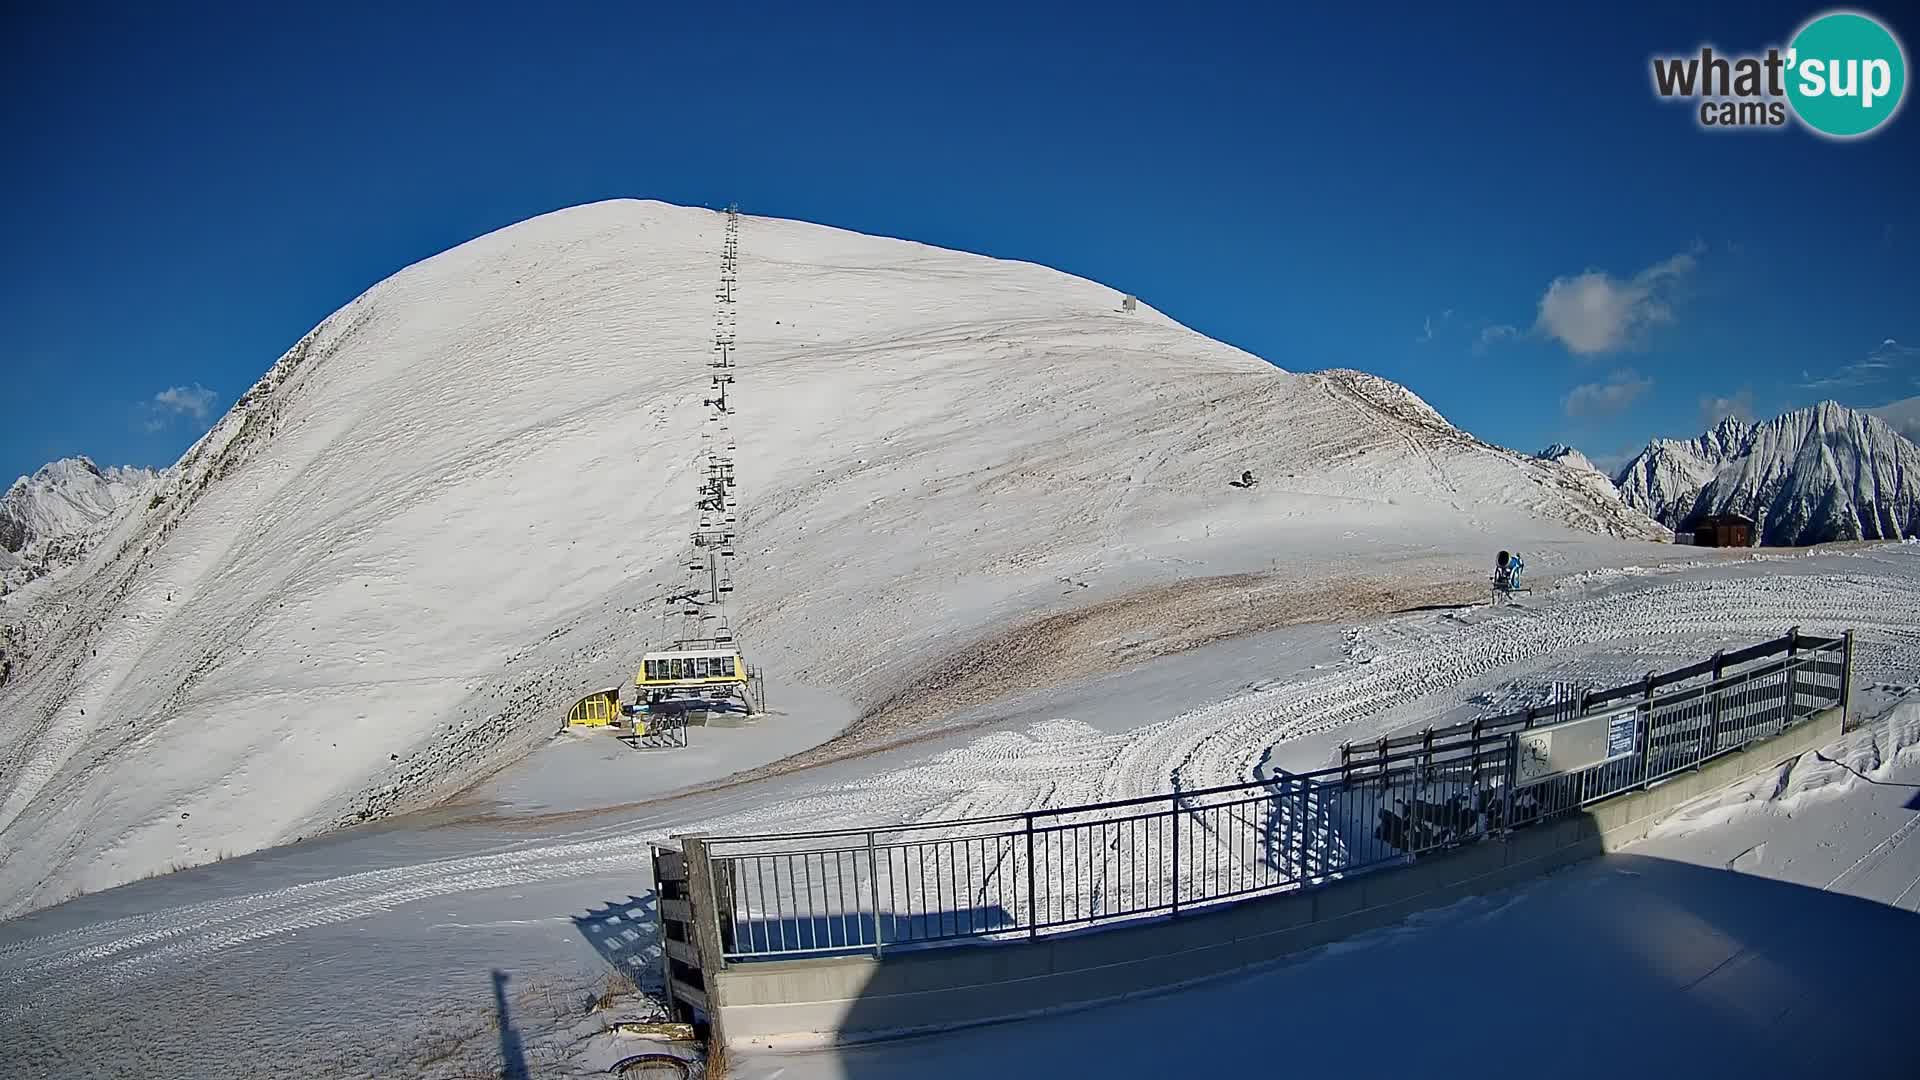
1393,673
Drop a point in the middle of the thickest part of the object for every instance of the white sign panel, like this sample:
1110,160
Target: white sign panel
1546,752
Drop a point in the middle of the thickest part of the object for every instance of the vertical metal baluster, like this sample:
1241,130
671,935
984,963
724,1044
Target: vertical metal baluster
1033,922
1133,863
873,892
1174,802
966,851
811,935
958,901
780,904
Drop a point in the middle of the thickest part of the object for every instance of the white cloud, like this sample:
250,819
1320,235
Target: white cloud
1427,327
1611,463
1884,363
1618,391
1595,312
1715,409
1491,335
195,401
175,402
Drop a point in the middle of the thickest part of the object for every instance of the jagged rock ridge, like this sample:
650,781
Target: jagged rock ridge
1813,475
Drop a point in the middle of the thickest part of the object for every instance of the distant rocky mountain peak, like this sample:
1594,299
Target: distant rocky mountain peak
1822,473
49,519
1568,456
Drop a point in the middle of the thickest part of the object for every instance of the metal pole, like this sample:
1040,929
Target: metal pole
1174,801
1846,679
1033,922
1479,790
1713,703
873,892
1646,745
1513,774
1793,673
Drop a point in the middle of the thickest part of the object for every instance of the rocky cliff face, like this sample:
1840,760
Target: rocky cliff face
49,520
1813,475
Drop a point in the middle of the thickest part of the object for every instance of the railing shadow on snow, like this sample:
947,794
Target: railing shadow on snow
626,934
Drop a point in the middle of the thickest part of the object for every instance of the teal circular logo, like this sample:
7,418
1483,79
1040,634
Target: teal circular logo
1846,74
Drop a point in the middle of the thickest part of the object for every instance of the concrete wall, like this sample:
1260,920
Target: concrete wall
861,997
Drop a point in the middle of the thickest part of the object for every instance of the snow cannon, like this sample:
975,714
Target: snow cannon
1507,568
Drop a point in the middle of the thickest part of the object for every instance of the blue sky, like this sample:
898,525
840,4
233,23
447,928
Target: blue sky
1489,206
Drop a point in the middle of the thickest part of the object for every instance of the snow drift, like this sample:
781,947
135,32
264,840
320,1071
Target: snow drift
454,505
1810,476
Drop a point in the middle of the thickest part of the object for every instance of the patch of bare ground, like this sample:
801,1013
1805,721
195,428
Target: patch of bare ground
1093,640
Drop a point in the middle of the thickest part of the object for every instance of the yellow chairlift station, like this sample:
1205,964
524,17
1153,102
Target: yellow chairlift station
598,709
690,668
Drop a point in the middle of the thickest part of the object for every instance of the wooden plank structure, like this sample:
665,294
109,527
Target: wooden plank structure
1724,530
680,897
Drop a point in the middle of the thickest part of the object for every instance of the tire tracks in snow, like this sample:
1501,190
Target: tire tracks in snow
1053,763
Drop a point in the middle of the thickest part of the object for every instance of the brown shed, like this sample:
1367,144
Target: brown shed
1724,530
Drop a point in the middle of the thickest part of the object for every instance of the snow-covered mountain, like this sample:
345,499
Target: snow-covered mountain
456,504
1566,455
48,520
1816,474
1662,480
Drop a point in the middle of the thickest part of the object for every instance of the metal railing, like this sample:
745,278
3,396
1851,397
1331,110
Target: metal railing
1047,871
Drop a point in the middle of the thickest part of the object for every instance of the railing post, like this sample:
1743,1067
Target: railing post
1174,801
1713,705
1479,790
873,893
1846,679
1513,774
1793,674
1033,922
1646,746
705,926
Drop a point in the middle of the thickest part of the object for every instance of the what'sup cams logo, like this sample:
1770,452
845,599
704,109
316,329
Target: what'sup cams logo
1842,76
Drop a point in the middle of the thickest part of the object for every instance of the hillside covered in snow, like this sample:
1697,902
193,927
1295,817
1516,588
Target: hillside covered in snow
49,519
455,505
1813,475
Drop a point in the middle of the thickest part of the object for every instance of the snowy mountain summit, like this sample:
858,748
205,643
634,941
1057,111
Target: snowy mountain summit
1817,474
48,520
1566,455
459,502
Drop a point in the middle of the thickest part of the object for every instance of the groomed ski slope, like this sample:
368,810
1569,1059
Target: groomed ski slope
453,507
347,948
